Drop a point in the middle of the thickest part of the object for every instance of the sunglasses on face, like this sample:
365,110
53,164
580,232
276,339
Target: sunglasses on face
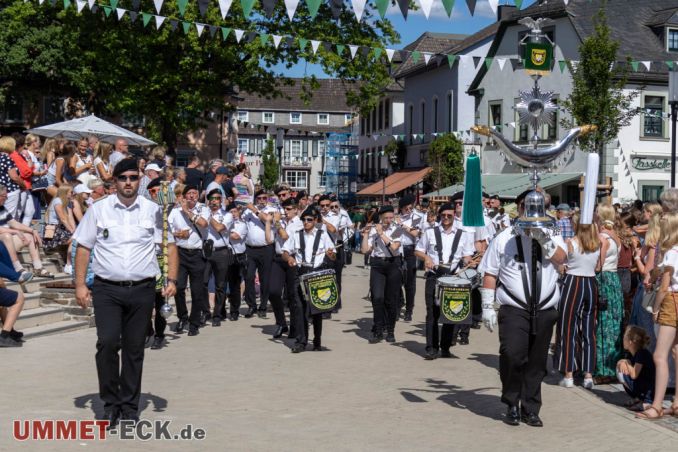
262,198
309,220
283,194
214,198
446,215
132,178
334,207
324,205
290,208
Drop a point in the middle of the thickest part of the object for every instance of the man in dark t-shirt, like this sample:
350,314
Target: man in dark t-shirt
194,177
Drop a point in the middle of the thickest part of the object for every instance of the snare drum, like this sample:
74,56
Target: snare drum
320,290
471,275
453,295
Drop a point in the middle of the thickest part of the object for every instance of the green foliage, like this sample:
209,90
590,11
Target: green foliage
597,92
446,158
171,78
396,149
270,174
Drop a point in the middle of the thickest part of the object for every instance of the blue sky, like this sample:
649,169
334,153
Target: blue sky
460,22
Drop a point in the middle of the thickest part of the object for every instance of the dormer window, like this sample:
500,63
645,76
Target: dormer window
672,39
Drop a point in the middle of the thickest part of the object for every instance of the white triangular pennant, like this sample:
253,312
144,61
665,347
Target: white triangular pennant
465,59
647,64
90,3
200,28
501,62
426,6
566,2
512,125
158,21
121,12
80,4
291,7
354,50
238,34
158,5
39,1
314,46
389,54
224,6
276,40
358,8
427,57
493,5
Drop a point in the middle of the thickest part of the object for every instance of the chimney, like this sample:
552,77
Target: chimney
504,11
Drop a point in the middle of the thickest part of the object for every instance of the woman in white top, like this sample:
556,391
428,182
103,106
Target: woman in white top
60,223
577,322
81,163
102,164
610,300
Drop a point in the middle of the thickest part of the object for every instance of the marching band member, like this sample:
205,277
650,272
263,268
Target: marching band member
219,223
307,250
443,249
330,222
521,271
344,233
383,244
410,222
238,269
156,328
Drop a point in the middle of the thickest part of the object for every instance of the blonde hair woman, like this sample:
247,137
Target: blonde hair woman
578,300
610,300
60,224
665,313
58,172
9,175
102,164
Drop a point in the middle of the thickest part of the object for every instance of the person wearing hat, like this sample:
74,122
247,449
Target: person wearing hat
122,231
444,248
188,224
411,224
309,249
260,252
383,246
341,240
238,269
564,222
520,273
151,171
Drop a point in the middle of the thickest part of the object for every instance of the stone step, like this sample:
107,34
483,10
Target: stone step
31,300
54,328
39,316
34,285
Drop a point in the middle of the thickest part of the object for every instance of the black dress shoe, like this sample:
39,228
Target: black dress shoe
180,326
390,337
158,343
298,348
475,325
317,348
250,313
431,354
193,330
203,319
512,416
234,317
408,317
261,314
463,341
376,338
216,321
292,334
531,419
445,353
113,417
280,331
335,311
129,418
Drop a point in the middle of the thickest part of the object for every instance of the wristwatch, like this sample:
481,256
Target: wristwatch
173,281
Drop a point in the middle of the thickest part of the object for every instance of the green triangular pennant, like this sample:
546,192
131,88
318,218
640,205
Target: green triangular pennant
187,26
519,4
146,18
224,32
634,65
377,52
113,3
488,63
451,59
182,7
67,3
263,37
670,65
247,6
302,44
448,4
340,49
382,6
562,64
415,56
313,6
108,10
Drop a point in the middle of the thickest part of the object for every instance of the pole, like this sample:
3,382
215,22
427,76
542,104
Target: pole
674,113
383,191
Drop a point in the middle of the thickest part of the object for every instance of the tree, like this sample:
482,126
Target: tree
172,78
446,158
396,151
270,174
598,95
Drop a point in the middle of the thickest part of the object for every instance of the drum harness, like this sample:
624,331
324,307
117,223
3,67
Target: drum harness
453,251
316,245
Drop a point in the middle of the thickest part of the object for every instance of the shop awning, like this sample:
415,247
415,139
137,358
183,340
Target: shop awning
395,183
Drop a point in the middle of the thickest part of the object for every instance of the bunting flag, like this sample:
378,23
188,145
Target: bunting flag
427,57
377,53
158,5
135,4
501,62
225,32
404,5
415,56
159,21
202,7
488,63
263,38
449,5
476,60
182,6
634,65
276,40
562,65
247,6
313,6
174,24
450,60
146,18
382,6
268,7
113,4
359,8
291,7
107,10
224,6
353,50
389,54
90,3
471,6
426,7
302,44
80,4
340,49
199,28
238,35
186,26
121,12
314,46
647,65
494,4
519,3
670,65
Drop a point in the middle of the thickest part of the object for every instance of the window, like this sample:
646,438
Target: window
380,121
297,179
387,114
651,192
322,179
672,40
295,118
363,129
449,112
243,116
295,148
409,134
348,117
268,118
323,118
13,110
494,109
321,147
374,119
653,125
243,145
435,115
552,130
423,117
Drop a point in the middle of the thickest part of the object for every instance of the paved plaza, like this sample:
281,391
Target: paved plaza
249,393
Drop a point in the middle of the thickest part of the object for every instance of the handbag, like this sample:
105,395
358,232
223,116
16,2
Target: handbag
207,248
41,183
49,231
648,301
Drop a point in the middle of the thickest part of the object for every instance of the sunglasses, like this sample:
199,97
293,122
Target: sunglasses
262,198
308,219
324,205
446,215
290,208
334,207
214,198
123,178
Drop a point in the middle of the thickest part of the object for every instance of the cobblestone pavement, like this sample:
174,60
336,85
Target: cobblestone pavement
251,394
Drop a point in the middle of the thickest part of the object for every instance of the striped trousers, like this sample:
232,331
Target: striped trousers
576,332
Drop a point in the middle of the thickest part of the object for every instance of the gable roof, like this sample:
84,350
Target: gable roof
329,97
631,24
430,43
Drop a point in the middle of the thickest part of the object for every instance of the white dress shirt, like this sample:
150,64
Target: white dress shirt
333,219
291,227
115,157
256,229
379,248
240,228
345,225
220,238
427,244
122,238
293,247
501,260
178,222
410,221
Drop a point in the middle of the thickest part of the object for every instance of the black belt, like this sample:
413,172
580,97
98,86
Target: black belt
190,250
219,248
125,283
257,247
408,247
385,259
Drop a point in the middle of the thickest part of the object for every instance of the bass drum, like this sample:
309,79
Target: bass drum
320,290
453,295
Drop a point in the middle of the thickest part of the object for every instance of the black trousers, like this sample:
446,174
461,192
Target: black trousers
258,260
236,274
410,282
435,338
217,264
304,316
279,280
463,331
158,321
339,264
191,265
121,315
522,356
385,281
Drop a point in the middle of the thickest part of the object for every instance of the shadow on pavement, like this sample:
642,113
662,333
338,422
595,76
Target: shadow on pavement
415,347
266,329
363,327
491,361
93,402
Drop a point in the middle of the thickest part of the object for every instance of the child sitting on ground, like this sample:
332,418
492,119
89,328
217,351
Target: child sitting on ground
637,373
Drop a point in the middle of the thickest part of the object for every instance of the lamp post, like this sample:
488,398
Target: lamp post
280,144
673,101
383,172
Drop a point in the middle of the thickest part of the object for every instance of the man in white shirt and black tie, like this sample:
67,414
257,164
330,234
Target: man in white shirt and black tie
123,231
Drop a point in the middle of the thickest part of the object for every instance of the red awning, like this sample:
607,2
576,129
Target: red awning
395,183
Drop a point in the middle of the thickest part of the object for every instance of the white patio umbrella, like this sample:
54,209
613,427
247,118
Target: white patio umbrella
90,125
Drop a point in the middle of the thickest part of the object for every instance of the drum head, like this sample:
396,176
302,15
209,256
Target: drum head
453,281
